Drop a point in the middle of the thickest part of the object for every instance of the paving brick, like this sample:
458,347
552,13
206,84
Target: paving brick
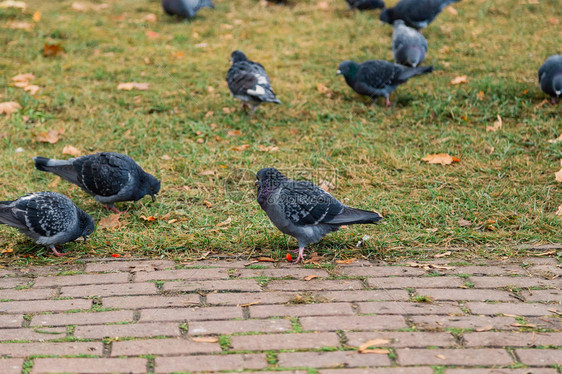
332,359
210,363
540,260
11,320
464,357
239,298
315,285
278,372
518,282
75,280
539,357
11,282
301,310
544,296
463,322
162,347
519,309
506,270
400,307
545,271
235,264
26,294
512,339
381,271
552,323
58,349
415,282
465,294
285,341
154,301
91,318
231,327
280,273
137,330
11,365
89,365
44,306
186,274
361,295
109,289
359,323
30,334
397,370
500,371
94,267
190,314
242,285
403,339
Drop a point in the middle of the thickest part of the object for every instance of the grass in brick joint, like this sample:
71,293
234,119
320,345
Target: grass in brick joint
504,183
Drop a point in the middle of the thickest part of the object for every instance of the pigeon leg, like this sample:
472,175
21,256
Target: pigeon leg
57,253
112,208
553,101
300,256
388,103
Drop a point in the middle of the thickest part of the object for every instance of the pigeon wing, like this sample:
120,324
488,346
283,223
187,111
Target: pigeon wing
105,174
45,213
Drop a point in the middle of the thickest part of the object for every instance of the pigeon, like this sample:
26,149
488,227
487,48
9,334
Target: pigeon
550,77
415,13
109,177
186,9
376,78
49,218
408,45
365,4
303,210
248,81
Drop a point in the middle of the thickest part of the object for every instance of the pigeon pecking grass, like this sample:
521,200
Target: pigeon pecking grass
185,9
49,218
365,4
109,177
415,13
375,78
408,45
550,77
304,210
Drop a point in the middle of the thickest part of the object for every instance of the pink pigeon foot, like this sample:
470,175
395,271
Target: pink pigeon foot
112,208
300,256
388,103
553,101
57,253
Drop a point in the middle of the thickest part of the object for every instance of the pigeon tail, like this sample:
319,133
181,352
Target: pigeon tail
409,73
62,168
353,216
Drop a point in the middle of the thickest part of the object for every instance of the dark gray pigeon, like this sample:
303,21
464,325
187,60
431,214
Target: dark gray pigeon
550,77
248,81
416,13
109,177
49,218
186,9
304,210
365,4
375,78
408,45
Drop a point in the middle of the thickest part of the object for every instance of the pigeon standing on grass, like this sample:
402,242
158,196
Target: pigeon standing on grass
415,13
550,77
365,4
186,9
49,218
377,78
248,81
304,210
408,45
109,177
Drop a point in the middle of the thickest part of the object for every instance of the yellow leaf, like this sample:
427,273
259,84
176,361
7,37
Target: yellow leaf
496,126
70,150
206,339
440,158
241,147
9,107
459,80
36,16
133,85
110,222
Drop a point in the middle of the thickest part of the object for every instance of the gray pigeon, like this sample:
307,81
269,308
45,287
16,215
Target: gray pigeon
408,45
375,78
304,210
186,9
109,177
248,81
416,13
550,77
365,4
49,218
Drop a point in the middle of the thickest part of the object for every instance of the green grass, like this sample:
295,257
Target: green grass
504,183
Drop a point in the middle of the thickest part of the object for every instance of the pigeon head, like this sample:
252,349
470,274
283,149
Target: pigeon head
86,224
387,16
268,179
348,69
237,56
148,185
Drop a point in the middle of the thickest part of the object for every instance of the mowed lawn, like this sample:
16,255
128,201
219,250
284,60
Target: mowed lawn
188,131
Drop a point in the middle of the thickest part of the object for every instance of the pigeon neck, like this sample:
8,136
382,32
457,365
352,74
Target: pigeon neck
351,73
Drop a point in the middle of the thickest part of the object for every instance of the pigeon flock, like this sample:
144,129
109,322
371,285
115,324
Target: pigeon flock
297,208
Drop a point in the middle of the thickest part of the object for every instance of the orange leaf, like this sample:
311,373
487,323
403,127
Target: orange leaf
234,133
241,147
36,16
152,34
9,107
149,218
32,89
208,203
459,79
70,150
50,50
110,222
452,11
265,259
440,158
116,255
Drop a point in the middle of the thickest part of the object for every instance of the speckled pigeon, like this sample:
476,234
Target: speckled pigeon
408,45
49,218
109,177
416,13
186,9
550,77
365,4
304,210
375,78
248,81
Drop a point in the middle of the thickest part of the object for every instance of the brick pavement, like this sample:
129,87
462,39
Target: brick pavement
225,316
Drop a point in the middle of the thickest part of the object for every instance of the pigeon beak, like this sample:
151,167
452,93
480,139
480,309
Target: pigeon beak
338,72
153,198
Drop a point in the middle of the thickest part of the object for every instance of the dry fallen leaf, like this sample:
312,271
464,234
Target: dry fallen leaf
464,223
166,157
441,357
324,90
13,4
225,222
206,339
149,218
152,34
531,325
19,25
459,80
323,5
373,343
250,304
208,203
559,211
440,158
558,175
430,266
265,259
150,17
50,50
207,172
36,16
234,133
347,262
110,222
9,107
452,11
25,77
52,136
557,140
485,328
267,148
496,126
133,85
241,147
70,150
310,277
444,254
32,89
